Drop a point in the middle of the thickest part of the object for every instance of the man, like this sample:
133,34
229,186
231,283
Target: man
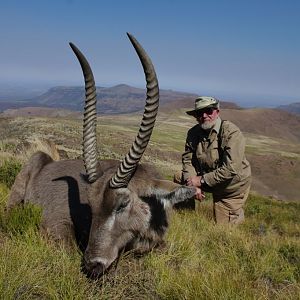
214,161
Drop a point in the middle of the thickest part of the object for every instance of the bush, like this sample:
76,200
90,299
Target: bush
8,171
21,219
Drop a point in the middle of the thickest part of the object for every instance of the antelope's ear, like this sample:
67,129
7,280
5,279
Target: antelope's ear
180,194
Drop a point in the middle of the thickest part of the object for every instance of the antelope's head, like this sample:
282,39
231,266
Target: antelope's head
125,198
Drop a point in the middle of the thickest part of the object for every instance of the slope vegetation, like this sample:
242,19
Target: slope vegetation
272,142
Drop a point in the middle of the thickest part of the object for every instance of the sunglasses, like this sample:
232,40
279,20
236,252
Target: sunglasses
207,111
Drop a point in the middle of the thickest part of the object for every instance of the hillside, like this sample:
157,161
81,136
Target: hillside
261,121
292,108
41,112
267,122
257,260
272,144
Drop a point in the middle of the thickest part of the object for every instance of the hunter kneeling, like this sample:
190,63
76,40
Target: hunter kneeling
214,161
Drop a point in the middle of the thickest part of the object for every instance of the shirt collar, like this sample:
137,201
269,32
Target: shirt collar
215,130
217,126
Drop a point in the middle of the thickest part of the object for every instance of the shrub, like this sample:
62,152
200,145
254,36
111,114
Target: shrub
21,219
8,171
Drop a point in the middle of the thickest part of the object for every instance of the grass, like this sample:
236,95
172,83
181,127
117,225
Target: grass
217,262
258,260
9,170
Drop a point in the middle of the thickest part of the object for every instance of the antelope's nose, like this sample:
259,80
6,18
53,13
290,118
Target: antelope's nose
94,268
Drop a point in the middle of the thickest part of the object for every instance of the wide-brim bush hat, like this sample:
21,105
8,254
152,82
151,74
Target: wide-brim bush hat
204,102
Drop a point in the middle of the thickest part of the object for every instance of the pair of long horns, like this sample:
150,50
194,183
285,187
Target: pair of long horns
127,167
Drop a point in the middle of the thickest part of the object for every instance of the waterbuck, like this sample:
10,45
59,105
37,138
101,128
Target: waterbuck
105,205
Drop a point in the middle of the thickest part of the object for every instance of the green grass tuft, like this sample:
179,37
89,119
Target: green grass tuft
21,219
8,171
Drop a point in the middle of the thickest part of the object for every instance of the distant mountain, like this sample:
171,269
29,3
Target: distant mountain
188,104
118,99
112,100
292,108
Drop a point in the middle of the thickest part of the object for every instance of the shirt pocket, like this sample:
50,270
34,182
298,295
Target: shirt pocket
214,155
199,150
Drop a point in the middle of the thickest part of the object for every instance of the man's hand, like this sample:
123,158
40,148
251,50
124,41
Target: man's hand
199,195
194,181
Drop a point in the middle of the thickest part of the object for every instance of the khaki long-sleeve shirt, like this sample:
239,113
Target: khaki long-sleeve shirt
218,156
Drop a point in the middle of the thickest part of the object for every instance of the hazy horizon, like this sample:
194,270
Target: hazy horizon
241,51
22,91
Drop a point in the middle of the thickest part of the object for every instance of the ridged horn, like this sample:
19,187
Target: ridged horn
89,144
127,167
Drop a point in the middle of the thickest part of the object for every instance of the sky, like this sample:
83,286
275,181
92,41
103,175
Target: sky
236,50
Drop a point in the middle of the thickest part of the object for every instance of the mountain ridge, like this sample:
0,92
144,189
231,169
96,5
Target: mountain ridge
292,108
118,99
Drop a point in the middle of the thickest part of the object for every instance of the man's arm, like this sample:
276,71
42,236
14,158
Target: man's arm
187,167
191,144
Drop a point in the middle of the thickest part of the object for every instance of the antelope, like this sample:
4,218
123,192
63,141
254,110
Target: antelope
106,206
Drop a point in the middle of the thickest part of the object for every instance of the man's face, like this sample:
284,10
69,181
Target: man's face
207,117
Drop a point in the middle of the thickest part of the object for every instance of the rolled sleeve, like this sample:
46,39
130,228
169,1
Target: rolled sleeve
187,167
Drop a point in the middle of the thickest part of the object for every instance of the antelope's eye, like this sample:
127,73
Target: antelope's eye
122,206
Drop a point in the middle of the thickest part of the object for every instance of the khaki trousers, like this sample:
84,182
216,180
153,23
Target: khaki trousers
227,210
230,210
